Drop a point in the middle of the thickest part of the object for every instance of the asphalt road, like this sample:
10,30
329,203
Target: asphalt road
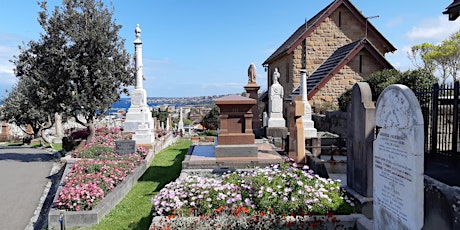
23,177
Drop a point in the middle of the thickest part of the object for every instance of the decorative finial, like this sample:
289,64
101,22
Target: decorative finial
137,31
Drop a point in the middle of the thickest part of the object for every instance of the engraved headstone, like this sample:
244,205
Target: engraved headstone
398,161
123,147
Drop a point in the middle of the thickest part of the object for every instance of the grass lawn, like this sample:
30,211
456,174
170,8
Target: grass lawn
135,210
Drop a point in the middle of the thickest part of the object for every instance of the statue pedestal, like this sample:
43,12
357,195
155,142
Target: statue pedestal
139,112
143,135
252,89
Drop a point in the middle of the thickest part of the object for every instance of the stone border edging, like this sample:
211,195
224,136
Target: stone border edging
94,216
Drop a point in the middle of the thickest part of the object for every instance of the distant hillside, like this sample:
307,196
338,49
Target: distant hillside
207,101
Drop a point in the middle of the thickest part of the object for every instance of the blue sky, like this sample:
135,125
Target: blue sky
204,47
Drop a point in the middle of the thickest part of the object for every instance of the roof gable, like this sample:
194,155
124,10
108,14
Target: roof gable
336,62
305,30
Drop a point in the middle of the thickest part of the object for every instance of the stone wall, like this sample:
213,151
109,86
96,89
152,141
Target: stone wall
327,37
333,122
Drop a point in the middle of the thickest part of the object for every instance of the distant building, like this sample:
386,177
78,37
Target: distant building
338,47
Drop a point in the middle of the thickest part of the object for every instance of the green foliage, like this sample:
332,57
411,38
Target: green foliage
443,57
378,81
344,100
211,119
22,107
95,151
210,133
79,66
161,116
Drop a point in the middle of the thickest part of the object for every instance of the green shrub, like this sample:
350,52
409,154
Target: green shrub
94,151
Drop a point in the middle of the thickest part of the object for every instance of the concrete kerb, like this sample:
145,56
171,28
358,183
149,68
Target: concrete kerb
94,216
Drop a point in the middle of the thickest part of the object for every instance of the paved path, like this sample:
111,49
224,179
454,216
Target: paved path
23,177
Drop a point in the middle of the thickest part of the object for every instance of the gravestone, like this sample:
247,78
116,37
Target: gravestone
296,131
398,160
276,123
360,140
236,137
123,147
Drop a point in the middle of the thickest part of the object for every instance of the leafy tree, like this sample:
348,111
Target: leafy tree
419,53
378,81
211,119
79,64
22,108
162,116
445,57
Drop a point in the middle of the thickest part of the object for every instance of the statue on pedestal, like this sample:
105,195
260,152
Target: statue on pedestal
252,73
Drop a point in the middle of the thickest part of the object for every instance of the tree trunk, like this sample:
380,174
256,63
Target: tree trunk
92,130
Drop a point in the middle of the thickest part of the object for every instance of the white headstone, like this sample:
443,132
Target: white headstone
308,124
275,104
398,161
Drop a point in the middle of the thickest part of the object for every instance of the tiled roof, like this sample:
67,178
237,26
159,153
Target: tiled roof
300,33
296,35
338,59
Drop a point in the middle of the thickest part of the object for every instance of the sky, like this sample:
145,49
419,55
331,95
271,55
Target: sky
204,47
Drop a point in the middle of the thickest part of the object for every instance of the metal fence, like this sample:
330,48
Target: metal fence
440,111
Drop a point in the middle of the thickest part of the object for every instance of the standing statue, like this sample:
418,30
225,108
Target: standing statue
252,73
275,103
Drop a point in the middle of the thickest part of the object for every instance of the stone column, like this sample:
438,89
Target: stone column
139,110
308,124
181,122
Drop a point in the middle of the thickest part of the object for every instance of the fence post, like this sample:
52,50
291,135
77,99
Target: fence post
434,121
455,124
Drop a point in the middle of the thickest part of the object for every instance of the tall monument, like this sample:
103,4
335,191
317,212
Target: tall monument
139,112
181,122
308,124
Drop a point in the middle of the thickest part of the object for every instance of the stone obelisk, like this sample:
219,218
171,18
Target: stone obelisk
181,122
139,112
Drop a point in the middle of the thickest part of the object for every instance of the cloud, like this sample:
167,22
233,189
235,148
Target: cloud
433,30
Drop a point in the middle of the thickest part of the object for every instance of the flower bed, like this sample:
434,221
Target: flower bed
99,176
276,191
98,172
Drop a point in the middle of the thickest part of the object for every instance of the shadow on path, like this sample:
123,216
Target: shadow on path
25,154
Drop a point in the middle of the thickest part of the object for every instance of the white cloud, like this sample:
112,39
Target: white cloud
433,30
